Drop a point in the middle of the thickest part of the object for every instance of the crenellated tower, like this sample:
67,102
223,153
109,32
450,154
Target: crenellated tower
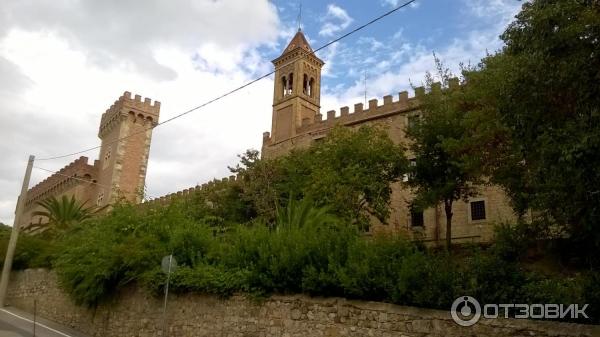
297,93
122,164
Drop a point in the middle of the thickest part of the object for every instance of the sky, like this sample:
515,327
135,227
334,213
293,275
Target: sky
64,62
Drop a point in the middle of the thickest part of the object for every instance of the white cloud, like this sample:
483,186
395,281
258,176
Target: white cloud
63,63
501,10
395,69
335,20
110,32
396,3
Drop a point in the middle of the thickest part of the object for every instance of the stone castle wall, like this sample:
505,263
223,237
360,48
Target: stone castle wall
393,116
75,179
137,314
186,193
121,168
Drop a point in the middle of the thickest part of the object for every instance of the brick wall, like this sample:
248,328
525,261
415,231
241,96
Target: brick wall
138,314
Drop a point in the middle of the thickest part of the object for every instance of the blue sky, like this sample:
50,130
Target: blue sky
63,63
401,44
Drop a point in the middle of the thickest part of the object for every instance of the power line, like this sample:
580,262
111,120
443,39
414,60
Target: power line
240,87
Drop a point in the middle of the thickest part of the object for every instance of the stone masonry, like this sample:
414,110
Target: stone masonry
297,123
137,314
120,172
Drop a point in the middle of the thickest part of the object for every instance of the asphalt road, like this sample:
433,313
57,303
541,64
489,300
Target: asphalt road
16,323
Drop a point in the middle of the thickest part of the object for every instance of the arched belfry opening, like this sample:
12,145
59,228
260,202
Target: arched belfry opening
290,83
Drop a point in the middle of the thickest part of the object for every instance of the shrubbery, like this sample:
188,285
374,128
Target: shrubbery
298,255
31,251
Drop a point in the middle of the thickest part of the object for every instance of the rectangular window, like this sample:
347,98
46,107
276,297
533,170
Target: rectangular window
413,121
478,210
416,219
412,163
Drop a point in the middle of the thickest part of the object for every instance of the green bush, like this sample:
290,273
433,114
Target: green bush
307,251
104,254
31,251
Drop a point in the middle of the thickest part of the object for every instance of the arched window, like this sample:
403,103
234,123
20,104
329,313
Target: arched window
283,86
290,83
100,198
106,160
311,87
305,89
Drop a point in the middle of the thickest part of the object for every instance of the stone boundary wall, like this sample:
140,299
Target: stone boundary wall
137,314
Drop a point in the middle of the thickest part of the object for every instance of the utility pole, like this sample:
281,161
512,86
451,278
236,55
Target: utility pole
14,235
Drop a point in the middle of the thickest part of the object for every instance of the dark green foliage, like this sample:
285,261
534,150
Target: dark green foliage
257,182
591,293
31,252
220,205
61,213
538,112
444,170
201,278
101,256
350,172
309,251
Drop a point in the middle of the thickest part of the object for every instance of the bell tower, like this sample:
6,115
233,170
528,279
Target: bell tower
297,93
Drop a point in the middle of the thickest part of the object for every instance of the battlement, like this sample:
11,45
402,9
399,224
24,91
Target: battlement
373,109
186,193
360,114
62,180
145,110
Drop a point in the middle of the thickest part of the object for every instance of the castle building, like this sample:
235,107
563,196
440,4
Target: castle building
297,123
125,132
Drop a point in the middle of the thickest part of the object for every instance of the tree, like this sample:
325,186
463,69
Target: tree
540,99
303,213
350,171
257,179
444,169
62,213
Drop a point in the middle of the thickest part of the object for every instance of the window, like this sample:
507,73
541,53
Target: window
478,210
305,85
284,85
106,159
413,121
100,198
290,84
311,87
412,163
416,219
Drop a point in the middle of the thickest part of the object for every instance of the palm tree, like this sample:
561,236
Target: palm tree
303,213
63,212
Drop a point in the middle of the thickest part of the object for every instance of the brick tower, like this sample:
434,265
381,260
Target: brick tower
297,95
122,164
